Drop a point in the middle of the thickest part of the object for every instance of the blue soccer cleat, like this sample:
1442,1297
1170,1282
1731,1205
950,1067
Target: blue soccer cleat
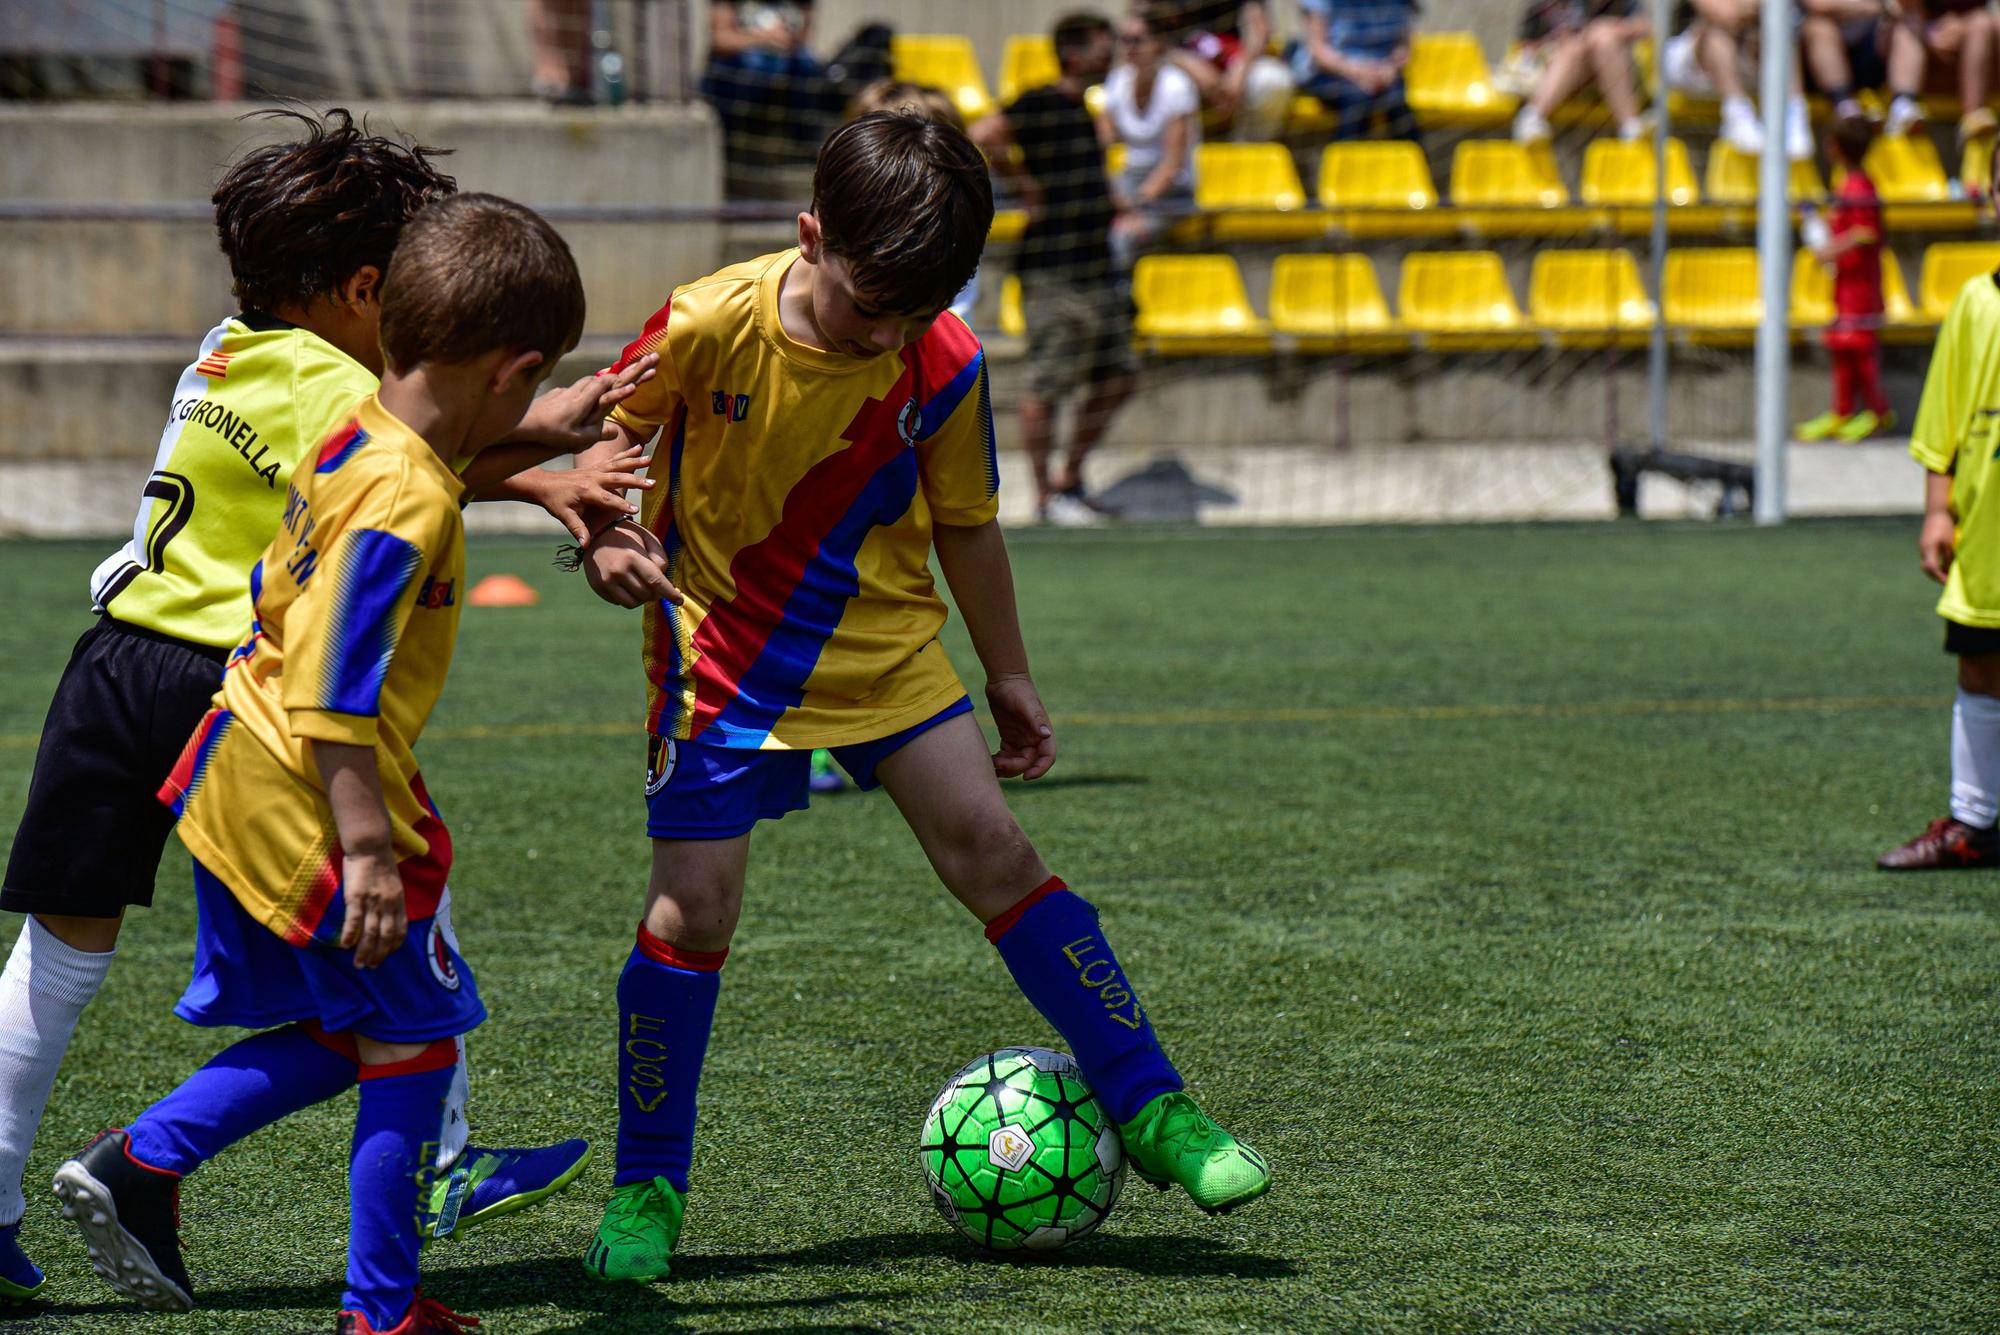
20,1278
485,1184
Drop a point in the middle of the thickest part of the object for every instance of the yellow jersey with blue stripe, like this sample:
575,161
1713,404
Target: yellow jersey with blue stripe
1955,432
798,490
258,396
356,611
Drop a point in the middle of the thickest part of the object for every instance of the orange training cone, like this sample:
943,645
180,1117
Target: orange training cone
502,591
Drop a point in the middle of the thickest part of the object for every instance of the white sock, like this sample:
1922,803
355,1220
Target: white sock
43,990
1975,760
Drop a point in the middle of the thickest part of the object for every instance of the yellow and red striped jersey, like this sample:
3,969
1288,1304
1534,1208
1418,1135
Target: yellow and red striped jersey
798,489
355,614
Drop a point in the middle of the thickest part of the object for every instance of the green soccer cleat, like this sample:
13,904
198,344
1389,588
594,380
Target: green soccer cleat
1863,425
486,1184
1173,1141
1819,428
636,1240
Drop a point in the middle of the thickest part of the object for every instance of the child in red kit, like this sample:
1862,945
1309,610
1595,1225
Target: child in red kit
1852,249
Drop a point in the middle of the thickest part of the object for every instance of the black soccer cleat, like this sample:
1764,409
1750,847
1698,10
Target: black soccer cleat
130,1218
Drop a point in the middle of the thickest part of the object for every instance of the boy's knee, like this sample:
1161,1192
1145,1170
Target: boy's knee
991,854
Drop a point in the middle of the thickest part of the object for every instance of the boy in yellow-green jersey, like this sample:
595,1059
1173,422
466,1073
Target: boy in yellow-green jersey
308,227
1956,440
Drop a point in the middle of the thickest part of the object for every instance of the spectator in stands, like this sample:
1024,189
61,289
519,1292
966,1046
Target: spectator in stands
1845,46
1079,315
561,33
1578,42
1152,107
1929,43
1224,45
1352,58
1715,55
765,84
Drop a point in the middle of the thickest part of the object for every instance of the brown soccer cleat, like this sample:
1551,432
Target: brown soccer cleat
1948,844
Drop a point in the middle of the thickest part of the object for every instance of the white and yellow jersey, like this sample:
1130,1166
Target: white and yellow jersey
260,396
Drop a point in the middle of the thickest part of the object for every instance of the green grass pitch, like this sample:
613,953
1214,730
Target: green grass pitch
1510,888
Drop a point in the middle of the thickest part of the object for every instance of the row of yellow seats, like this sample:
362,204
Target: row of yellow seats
1501,188
1197,304
1448,80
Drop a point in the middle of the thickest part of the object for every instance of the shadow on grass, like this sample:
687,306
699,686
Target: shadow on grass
1145,1256
1050,782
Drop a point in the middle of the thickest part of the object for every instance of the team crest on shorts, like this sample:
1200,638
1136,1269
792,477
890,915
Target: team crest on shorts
660,757
909,422
437,950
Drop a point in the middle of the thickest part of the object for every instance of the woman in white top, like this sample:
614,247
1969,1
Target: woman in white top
1153,108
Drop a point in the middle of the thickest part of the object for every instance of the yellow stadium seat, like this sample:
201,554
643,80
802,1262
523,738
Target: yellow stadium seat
1460,301
1309,118
1948,266
1620,176
1732,179
1381,188
1909,176
1712,294
1812,300
1332,303
1449,83
946,61
1114,160
1008,225
1509,189
1588,298
1253,193
1975,166
1012,322
1193,305
1027,61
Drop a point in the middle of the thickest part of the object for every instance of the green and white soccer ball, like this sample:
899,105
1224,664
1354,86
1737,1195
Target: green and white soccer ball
1019,1153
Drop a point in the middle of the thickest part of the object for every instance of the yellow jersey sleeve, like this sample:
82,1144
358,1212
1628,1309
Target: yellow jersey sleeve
655,402
341,634
1937,433
957,461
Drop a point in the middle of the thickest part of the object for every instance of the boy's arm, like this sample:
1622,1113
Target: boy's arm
370,882
1937,543
974,562
994,134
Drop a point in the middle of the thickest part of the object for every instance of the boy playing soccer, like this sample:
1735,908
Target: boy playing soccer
824,427
1959,547
308,227
320,860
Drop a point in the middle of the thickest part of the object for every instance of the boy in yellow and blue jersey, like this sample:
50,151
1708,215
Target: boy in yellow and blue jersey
1954,438
308,226
320,859
823,426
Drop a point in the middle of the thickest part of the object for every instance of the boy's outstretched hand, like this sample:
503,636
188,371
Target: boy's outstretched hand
626,565
376,919
589,496
572,419
1027,741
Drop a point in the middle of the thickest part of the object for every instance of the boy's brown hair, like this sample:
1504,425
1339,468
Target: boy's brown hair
1851,137
297,220
906,202
475,273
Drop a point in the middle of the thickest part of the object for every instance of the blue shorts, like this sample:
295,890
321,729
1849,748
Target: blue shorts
698,791
247,975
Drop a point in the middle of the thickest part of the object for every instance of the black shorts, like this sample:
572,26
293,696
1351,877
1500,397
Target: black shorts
90,841
1964,640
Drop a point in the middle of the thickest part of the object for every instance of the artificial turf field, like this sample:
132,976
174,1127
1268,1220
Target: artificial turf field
1510,888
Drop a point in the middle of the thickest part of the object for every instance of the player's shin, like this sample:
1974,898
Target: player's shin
43,991
249,1085
666,1005
1058,954
1975,760
396,1127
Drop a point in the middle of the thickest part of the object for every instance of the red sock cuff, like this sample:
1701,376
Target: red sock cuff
675,957
340,1043
999,926
439,1056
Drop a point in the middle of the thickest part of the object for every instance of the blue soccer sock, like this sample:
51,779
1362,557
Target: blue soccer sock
1057,953
246,1086
396,1130
666,1005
